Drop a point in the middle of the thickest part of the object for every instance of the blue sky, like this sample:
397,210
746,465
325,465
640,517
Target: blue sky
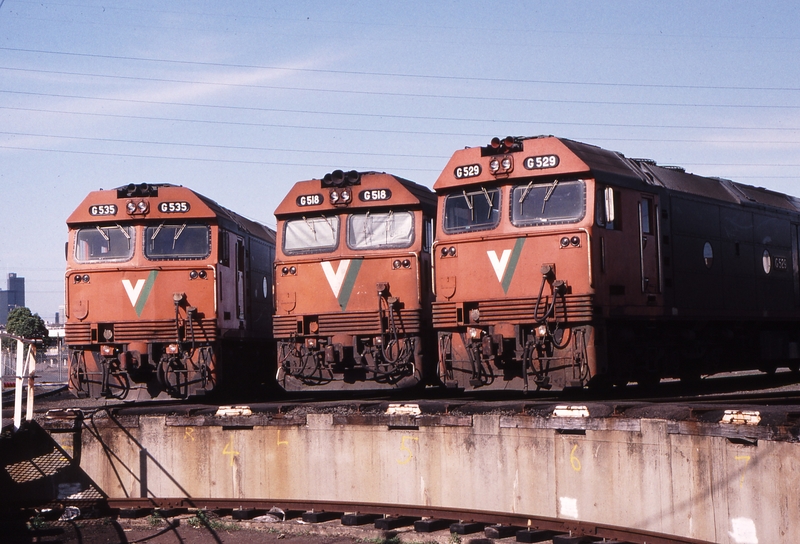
238,100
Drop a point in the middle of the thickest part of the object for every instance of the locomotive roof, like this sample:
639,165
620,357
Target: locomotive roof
404,193
200,207
614,167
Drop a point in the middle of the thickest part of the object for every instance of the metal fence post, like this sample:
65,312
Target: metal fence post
2,368
30,372
18,383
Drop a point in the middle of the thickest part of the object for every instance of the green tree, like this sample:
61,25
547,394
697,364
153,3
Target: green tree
21,322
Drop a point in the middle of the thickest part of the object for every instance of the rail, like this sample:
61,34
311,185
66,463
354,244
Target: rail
336,509
26,368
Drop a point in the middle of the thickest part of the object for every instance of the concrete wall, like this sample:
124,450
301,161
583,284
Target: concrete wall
651,474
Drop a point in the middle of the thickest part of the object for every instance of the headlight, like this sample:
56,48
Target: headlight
494,165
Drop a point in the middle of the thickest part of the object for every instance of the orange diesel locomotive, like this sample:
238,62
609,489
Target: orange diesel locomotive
560,264
166,293
352,282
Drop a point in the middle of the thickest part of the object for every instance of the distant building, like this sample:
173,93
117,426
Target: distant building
12,297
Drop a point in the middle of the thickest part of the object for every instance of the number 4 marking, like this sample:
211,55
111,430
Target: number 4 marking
228,450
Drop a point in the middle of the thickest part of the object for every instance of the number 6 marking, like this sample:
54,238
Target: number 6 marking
574,461
403,447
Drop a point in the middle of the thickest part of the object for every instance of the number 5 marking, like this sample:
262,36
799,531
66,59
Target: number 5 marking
228,450
403,447
746,459
574,461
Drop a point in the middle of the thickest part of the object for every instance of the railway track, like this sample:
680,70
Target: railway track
423,519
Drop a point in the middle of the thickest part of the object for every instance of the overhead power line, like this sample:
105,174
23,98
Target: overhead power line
400,74
392,116
201,159
403,95
354,129
218,146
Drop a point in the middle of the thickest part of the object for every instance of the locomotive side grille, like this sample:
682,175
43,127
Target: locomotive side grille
517,311
205,330
78,333
353,322
408,322
284,325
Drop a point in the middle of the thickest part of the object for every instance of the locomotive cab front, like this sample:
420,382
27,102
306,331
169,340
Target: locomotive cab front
352,282
152,292
514,270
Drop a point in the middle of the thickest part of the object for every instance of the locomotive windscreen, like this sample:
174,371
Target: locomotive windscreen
380,230
104,244
311,234
548,203
177,241
473,210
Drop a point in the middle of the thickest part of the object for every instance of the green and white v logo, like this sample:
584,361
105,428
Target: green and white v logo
138,293
505,266
343,279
